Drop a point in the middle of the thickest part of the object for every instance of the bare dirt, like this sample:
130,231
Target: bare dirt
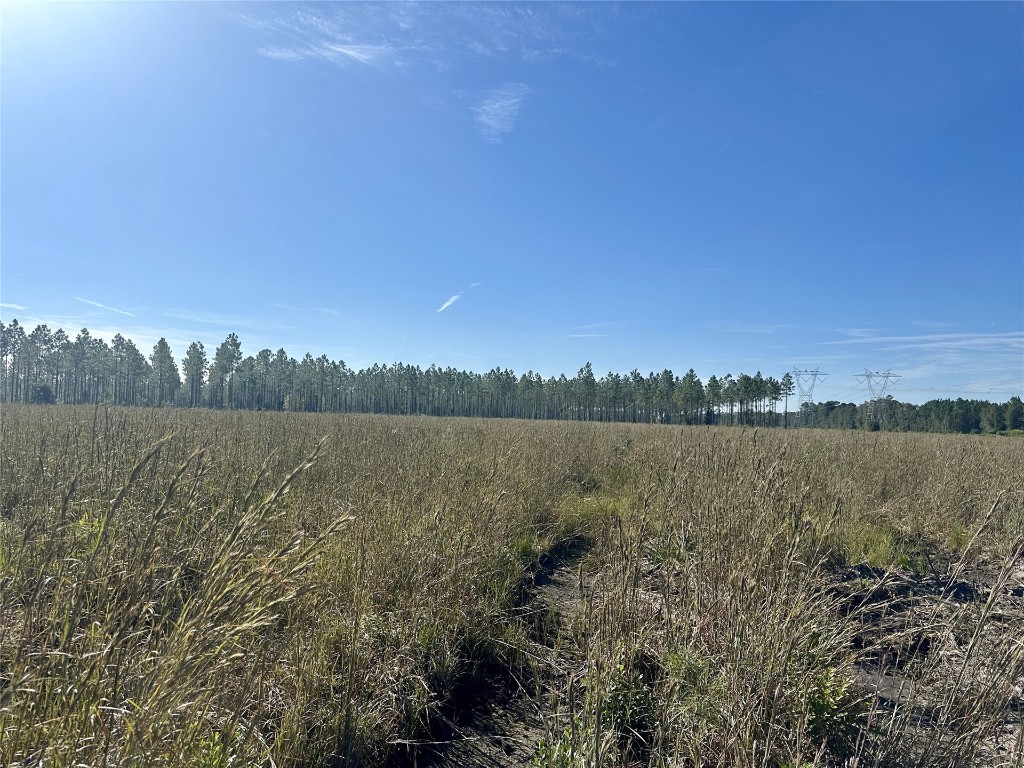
499,722
937,654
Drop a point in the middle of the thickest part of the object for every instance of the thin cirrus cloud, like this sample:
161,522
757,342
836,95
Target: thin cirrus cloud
405,37
1009,340
496,113
335,53
996,357
439,36
451,300
103,306
753,329
321,310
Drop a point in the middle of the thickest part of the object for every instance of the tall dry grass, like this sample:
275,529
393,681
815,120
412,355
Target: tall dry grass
725,626
201,588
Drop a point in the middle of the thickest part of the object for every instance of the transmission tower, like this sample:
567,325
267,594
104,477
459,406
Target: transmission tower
805,381
876,382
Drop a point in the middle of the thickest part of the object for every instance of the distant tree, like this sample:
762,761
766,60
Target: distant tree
80,368
38,351
225,360
585,386
713,396
730,395
282,372
689,397
194,367
612,403
787,386
992,418
1014,413
261,374
245,390
129,373
165,381
12,343
637,396
60,346
663,388
745,394
773,392
93,365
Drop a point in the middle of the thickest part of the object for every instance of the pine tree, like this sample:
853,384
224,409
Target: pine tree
1014,413
194,367
787,390
165,381
225,360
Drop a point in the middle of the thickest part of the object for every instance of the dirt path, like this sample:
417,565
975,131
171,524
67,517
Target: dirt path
917,643
505,719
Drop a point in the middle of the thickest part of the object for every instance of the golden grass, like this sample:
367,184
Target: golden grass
218,588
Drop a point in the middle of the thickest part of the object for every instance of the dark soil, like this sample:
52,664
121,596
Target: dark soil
928,643
500,716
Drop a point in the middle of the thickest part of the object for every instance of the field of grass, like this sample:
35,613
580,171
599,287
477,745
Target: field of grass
198,588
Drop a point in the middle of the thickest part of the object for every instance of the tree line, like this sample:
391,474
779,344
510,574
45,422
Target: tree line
44,366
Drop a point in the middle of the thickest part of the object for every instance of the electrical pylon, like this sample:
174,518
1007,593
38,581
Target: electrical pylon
805,381
877,382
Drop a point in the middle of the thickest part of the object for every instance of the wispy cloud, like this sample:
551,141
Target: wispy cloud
752,328
18,307
585,335
321,310
950,341
438,36
400,345
934,325
980,363
496,113
364,54
306,33
335,53
406,38
233,322
451,300
281,54
602,324
103,306
860,333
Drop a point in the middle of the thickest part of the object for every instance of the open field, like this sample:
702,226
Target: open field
218,588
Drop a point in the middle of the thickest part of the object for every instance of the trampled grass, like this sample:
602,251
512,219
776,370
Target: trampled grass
216,588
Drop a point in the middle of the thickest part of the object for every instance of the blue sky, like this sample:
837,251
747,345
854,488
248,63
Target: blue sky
725,186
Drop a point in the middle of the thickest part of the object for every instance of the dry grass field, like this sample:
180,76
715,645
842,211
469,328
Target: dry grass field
200,588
